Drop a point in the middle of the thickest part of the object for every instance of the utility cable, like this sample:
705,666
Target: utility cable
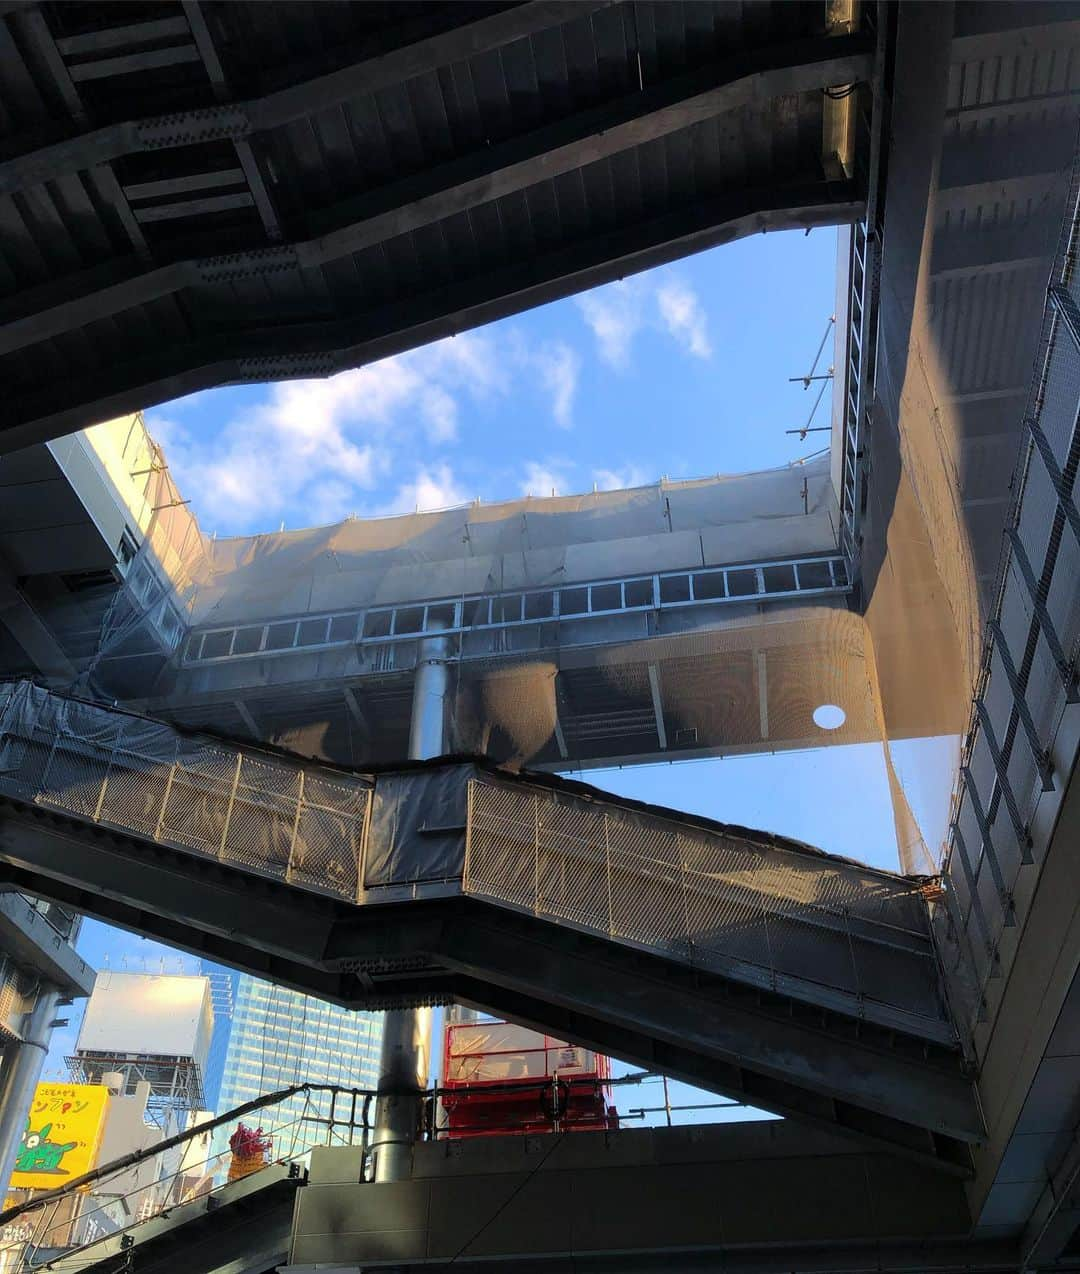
509,1198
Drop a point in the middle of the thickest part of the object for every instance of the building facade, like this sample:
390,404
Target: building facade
148,1028
280,1038
224,983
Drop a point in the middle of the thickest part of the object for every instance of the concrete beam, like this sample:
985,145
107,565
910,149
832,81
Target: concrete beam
995,1256
321,349
32,633
32,942
247,716
658,705
260,192
664,1199
1056,1216
355,711
761,667
1039,955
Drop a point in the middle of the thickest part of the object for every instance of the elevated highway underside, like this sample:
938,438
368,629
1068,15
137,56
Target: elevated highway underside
221,193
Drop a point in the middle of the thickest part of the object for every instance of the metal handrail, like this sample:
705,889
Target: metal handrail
431,1131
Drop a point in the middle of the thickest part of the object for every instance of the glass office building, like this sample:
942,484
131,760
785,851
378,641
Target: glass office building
224,983
279,1038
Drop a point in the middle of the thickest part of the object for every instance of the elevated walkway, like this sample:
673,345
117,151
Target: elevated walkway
747,963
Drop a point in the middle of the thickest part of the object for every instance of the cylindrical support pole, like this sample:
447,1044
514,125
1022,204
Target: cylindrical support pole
427,725
20,1071
403,1060
403,1076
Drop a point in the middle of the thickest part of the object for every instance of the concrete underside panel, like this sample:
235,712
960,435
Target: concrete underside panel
706,1197
982,140
473,211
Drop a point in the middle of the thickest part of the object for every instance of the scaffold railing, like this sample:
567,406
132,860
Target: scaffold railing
89,1219
300,822
763,910
717,902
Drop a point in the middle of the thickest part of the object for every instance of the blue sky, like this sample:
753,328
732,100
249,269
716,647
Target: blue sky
681,371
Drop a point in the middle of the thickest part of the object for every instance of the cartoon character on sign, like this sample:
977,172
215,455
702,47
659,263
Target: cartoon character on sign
38,1154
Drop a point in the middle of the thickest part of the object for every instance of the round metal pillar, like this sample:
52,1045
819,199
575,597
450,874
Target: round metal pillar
403,1059
20,1071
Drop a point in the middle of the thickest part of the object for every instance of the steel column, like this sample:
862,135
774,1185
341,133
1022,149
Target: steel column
406,1040
1038,751
19,1074
1038,605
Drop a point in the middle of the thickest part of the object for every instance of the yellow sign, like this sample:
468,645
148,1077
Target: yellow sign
62,1135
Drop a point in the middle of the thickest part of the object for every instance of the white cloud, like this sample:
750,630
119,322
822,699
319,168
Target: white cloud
615,314
439,410
630,475
170,433
542,479
329,501
552,363
312,450
558,367
434,488
684,317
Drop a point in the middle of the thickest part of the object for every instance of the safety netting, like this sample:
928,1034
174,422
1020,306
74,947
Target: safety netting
677,620
253,810
1012,760
763,910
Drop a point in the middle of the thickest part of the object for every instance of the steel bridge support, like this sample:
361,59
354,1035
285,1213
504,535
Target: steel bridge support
406,1040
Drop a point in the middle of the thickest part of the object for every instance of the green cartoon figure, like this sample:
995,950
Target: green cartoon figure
38,1154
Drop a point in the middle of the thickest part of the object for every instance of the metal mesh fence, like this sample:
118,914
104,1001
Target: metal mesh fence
767,915
763,912
256,810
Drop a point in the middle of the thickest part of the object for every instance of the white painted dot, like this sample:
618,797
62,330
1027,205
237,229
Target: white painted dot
827,716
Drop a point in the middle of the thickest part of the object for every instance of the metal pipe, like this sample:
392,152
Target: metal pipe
403,1070
406,1039
20,1072
427,726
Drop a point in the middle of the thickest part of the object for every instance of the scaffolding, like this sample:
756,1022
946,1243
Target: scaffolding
770,911
176,1086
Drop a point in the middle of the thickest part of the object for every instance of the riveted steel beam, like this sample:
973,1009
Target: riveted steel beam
446,190
450,41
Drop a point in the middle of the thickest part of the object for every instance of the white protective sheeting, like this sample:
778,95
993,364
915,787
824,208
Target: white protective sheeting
532,542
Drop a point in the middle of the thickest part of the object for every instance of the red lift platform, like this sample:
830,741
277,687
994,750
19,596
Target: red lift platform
499,1078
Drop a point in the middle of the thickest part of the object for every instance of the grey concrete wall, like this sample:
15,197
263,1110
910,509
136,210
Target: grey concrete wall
648,1189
